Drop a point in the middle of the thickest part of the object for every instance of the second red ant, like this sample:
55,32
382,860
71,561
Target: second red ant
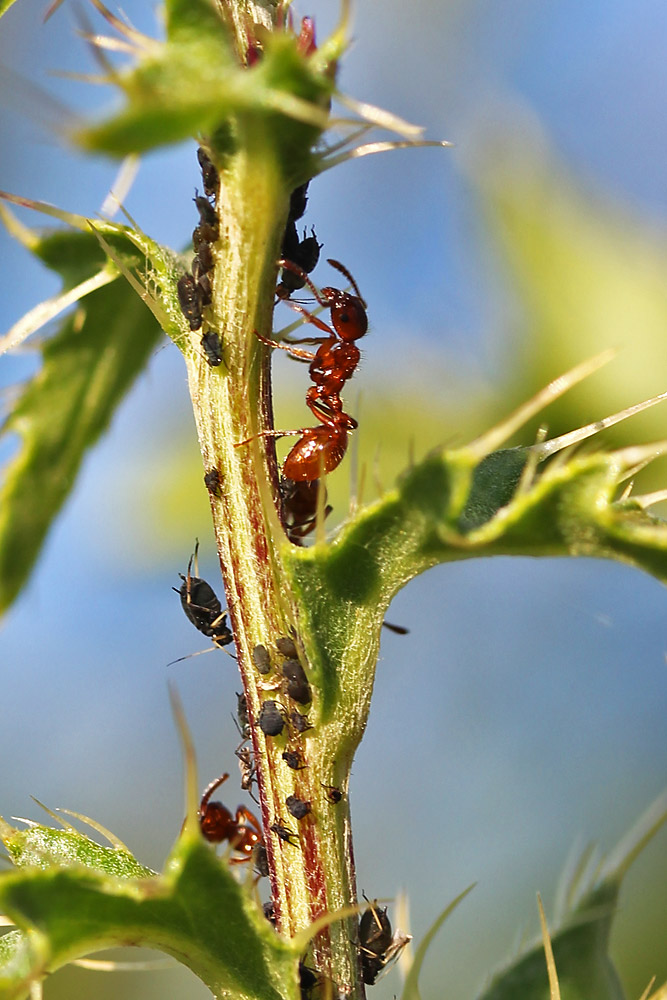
321,448
242,830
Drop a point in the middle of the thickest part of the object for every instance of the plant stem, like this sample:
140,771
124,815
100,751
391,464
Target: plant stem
315,874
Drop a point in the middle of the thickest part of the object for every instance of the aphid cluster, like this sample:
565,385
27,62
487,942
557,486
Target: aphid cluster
302,253
274,717
292,680
194,288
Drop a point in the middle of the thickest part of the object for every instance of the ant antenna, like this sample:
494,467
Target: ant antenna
344,271
208,791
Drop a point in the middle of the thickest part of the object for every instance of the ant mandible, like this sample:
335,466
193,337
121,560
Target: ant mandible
242,830
321,449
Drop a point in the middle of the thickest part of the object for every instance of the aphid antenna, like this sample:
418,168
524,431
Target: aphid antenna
200,652
244,739
194,558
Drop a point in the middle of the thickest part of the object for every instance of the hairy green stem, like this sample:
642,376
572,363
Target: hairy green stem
314,874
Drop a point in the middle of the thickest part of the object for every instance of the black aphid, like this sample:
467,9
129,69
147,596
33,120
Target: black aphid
189,300
209,174
299,722
286,646
213,481
207,214
284,834
297,807
261,861
212,348
271,720
294,760
298,687
261,658
202,607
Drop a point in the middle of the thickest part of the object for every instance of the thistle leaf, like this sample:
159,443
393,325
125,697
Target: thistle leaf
75,897
458,505
581,939
196,83
87,367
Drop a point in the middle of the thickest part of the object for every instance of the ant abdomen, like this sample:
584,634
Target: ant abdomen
319,451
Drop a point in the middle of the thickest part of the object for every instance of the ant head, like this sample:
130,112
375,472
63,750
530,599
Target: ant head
214,822
348,314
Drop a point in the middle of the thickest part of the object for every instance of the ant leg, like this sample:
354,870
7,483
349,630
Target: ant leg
301,355
245,818
310,318
295,269
273,434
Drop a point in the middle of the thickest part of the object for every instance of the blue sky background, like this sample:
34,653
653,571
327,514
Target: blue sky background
526,708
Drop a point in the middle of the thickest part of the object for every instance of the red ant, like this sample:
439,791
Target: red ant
337,357
243,830
321,449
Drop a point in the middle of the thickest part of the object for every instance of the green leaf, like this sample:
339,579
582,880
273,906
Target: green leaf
43,847
194,84
87,367
18,958
5,5
581,940
195,911
463,504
